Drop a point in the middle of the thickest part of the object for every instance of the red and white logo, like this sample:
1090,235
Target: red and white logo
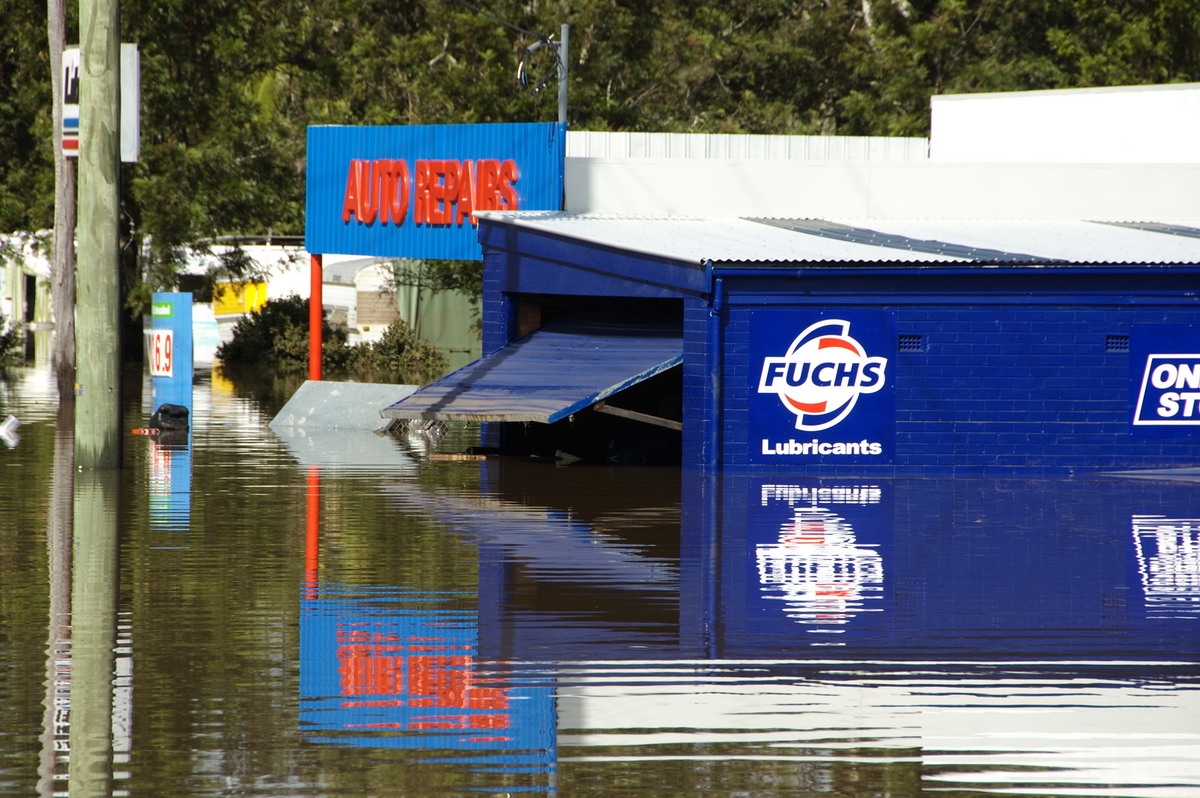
822,375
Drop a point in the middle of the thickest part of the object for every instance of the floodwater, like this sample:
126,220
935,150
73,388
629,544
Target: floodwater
345,614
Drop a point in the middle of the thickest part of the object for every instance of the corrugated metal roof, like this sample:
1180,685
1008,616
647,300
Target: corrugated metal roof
549,374
732,240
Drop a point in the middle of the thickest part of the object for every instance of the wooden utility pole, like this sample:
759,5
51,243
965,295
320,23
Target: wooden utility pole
98,296
63,269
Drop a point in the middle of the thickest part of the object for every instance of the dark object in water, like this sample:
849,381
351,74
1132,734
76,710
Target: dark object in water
169,417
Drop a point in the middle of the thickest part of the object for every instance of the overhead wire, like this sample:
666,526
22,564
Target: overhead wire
543,40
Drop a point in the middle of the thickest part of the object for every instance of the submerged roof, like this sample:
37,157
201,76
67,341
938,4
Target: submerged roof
734,240
549,374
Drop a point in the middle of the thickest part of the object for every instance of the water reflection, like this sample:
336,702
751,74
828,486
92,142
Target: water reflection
319,619
93,635
1168,555
817,567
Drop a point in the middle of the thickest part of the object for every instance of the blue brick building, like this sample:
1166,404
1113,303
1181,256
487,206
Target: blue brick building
807,346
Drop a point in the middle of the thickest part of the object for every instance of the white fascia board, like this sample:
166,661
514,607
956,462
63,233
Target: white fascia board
898,189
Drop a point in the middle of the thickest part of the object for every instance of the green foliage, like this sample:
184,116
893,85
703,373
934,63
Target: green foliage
230,87
275,339
12,344
400,356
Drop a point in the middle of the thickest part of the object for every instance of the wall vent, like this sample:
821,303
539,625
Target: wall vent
1116,343
911,343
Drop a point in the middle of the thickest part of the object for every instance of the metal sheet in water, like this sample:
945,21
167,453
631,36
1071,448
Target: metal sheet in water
549,374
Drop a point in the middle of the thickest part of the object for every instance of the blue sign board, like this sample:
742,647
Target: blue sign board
412,192
821,386
170,349
1165,380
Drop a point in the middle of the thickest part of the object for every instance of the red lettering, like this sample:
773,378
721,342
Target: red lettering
350,200
385,187
487,196
398,206
421,198
466,194
368,194
449,190
508,192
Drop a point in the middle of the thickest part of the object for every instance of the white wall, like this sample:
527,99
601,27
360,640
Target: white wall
884,189
1126,124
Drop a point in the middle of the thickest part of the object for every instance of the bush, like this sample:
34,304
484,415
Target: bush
400,356
12,343
275,337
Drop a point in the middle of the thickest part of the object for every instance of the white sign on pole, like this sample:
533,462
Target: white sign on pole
131,87
162,353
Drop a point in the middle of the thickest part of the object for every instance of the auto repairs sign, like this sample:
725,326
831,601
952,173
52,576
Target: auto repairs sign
1165,379
413,191
822,387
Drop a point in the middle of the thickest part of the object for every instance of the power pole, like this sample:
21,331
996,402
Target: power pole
564,56
98,296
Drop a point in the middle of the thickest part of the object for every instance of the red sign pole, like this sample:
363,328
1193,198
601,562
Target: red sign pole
315,315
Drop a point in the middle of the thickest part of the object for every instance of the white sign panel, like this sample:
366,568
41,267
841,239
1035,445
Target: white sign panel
162,353
130,102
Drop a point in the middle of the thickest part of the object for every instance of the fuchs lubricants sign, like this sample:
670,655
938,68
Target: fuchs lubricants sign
1165,379
413,192
822,387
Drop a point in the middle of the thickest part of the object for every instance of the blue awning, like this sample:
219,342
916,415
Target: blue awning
549,374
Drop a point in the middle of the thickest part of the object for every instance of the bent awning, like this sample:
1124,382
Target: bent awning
549,374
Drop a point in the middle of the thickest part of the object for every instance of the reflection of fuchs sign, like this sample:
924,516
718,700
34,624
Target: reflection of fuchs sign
822,374
817,382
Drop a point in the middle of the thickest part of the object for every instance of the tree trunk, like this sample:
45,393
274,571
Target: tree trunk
63,269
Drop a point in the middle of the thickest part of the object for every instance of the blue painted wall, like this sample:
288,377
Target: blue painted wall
992,369
990,372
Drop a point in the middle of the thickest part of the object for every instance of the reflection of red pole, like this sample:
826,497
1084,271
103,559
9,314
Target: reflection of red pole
312,536
315,315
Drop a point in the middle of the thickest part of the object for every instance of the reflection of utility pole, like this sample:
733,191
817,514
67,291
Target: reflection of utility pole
98,410
93,634
58,647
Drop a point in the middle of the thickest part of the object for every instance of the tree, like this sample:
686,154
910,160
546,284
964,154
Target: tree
229,88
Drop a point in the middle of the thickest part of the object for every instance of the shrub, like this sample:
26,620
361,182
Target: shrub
399,356
12,343
276,337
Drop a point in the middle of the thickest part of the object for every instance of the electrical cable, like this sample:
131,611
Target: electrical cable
523,81
499,21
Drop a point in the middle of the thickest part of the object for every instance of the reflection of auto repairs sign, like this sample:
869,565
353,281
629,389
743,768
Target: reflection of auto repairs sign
823,388
389,677
1165,379
162,353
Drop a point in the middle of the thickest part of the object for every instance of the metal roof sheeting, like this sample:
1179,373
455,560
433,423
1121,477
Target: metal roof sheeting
732,240
549,374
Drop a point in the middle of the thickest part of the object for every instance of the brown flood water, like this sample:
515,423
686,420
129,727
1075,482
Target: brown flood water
347,614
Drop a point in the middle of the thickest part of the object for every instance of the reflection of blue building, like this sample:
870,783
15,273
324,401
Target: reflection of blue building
861,569
978,570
